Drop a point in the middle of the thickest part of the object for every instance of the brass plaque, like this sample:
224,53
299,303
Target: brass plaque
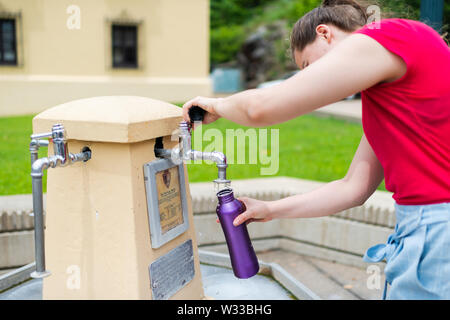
169,200
167,204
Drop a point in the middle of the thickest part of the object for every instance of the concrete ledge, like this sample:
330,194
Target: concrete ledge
377,210
17,276
329,238
334,233
16,248
16,220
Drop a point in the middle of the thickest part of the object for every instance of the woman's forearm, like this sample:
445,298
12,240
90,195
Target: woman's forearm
329,199
241,107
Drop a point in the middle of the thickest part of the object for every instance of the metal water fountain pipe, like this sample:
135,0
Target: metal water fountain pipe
61,157
185,152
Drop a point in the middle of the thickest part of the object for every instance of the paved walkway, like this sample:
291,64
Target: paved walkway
350,110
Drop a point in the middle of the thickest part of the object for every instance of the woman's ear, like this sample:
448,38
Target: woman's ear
324,31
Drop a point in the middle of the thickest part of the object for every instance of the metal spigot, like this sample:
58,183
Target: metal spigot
62,157
185,152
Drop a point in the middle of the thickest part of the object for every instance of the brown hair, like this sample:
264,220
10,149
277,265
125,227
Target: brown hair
347,15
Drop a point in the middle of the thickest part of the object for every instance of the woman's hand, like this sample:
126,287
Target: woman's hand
255,211
208,104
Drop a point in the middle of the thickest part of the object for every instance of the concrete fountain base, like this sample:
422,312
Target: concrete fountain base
219,282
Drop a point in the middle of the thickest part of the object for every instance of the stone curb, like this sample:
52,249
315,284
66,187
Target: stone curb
17,276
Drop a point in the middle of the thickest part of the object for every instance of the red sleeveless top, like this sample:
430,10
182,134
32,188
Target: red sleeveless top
407,122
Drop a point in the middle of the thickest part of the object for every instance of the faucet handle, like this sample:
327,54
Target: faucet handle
196,114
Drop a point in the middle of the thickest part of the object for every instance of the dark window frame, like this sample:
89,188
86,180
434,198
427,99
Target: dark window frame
128,51
14,42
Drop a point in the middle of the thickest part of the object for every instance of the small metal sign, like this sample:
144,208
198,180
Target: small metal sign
172,271
166,200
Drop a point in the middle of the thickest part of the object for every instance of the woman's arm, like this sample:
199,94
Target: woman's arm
362,179
355,64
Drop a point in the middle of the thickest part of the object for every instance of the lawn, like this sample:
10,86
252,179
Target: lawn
309,147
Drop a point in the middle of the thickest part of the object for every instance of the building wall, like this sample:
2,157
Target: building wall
57,64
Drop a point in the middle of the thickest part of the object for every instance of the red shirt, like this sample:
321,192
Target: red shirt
407,122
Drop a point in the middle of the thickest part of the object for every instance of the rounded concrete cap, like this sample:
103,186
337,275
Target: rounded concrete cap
123,119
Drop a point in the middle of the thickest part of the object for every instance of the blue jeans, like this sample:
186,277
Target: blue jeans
417,253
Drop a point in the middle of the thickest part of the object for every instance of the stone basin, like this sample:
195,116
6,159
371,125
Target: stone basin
219,282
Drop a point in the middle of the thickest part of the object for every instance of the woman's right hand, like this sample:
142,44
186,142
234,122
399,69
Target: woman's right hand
207,104
255,211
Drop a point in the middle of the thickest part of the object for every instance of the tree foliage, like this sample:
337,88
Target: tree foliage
232,20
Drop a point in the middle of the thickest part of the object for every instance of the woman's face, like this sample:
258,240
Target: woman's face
311,53
327,36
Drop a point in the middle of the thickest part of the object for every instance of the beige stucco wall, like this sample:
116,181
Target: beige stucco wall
58,64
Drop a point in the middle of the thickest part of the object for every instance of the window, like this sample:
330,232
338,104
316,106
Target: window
8,50
124,46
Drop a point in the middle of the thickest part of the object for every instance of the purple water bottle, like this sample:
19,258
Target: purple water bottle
243,258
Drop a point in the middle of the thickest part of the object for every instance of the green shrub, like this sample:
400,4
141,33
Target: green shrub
232,12
225,43
233,20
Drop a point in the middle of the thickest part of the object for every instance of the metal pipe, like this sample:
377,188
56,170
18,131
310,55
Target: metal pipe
33,153
218,157
185,141
35,144
62,157
82,156
163,153
37,169
188,154
60,144
37,136
185,153
39,241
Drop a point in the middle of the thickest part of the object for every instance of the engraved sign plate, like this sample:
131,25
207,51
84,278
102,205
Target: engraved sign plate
172,271
169,200
166,200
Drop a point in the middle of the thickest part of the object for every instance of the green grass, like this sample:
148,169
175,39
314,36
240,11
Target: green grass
14,155
309,148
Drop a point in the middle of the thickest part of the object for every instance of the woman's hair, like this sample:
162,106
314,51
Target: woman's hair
347,15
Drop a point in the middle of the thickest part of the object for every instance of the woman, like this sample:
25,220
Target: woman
402,68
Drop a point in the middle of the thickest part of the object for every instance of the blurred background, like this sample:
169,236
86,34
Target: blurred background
55,51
